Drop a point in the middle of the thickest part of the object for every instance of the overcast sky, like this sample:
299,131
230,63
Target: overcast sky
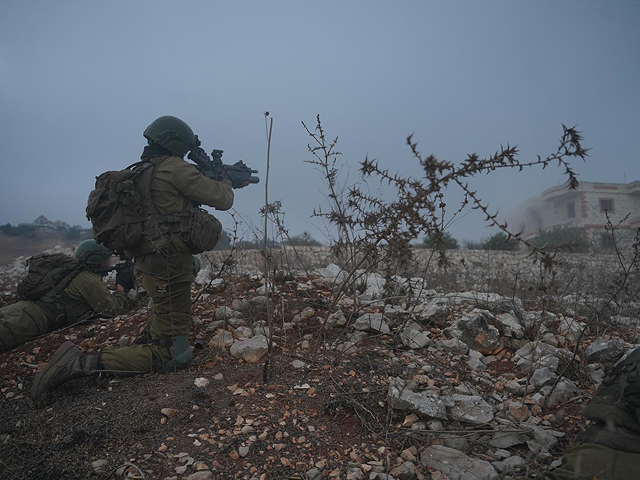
80,81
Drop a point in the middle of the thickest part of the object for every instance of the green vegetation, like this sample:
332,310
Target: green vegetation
497,241
19,231
304,240
567,238
447,242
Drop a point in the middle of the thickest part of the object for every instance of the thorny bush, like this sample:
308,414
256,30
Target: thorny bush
382,230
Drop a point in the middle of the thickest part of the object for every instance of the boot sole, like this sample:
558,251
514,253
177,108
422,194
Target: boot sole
48,371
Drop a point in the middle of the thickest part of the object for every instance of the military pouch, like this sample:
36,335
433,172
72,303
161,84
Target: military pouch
204,231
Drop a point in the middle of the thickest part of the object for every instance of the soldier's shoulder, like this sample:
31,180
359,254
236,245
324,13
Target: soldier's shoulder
84,277
175,161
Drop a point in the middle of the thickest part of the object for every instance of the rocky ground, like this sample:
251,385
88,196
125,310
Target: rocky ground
425,384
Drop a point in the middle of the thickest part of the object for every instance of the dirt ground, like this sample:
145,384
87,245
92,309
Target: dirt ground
328,414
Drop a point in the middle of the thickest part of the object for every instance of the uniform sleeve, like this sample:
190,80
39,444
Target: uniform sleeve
95,292
199,188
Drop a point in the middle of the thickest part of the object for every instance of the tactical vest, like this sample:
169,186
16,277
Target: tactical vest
192,230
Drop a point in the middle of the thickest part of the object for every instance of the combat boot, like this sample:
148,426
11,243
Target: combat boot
66,364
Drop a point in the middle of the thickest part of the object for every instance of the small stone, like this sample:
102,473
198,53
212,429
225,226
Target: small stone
243,451
218,377
298,364
410,420
372,322
222,340
98,465
519,411
303,316
542,376
243,333
223,313
169,412
471,408
202,475
252,350
314,474
201,382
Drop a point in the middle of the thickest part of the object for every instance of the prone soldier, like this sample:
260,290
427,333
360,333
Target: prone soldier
60,290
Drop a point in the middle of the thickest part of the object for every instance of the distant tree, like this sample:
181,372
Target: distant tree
25,231
499,241
9,230
447,242
567,238
304,240
256,244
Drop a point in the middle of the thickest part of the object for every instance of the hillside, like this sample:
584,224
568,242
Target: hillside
427,381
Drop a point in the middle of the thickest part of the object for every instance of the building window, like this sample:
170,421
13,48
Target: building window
607,242
571,210
606,205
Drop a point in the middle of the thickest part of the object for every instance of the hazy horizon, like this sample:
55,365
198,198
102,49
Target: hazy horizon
82,80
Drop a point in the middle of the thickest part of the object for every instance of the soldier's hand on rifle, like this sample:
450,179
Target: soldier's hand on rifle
125,279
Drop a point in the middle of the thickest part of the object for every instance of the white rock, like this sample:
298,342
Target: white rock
251,350
402,397
201,382
372,322
471,408
223,313
414,337
509,326
456,465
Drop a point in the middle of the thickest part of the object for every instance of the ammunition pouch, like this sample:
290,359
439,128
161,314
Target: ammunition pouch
204,231
193,230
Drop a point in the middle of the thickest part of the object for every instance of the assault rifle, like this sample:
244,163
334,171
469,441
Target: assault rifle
238,174
127,265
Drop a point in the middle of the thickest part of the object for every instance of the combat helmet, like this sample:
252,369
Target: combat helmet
92,253
171,133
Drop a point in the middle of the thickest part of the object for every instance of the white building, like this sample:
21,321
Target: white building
585,208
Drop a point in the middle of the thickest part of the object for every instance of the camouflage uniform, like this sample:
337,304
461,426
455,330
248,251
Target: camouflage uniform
175,186
86,294
610,448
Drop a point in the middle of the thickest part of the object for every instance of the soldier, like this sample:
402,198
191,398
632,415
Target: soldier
610,448
171,191
81,293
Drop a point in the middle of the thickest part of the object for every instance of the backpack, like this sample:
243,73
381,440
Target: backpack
48,275
115,208
124,217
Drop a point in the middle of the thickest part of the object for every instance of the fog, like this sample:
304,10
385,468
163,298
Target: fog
80,81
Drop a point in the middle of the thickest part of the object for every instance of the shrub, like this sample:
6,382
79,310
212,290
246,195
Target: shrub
445,242
304,240
500,241
569,238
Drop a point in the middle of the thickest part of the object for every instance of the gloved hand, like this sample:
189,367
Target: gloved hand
126,279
